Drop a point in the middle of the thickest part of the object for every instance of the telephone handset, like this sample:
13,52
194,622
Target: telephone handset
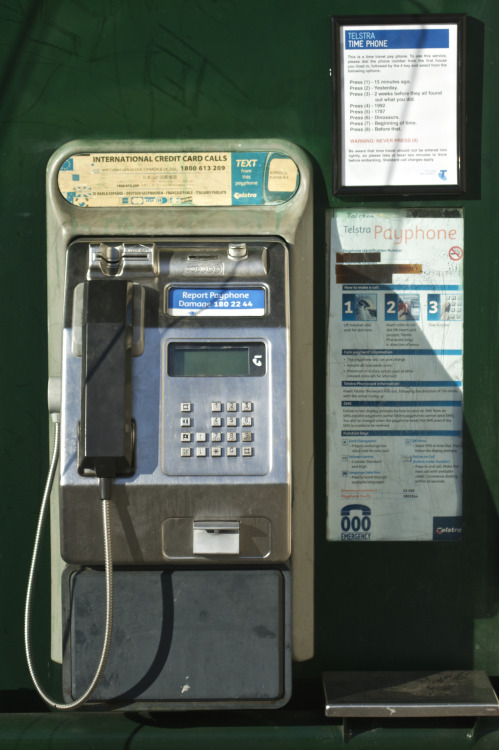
106,432
105,439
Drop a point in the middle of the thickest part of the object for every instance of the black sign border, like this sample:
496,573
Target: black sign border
337,24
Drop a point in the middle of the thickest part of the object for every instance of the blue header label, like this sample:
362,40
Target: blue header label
397,39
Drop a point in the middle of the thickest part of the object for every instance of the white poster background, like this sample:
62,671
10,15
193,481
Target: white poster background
399,108
395,375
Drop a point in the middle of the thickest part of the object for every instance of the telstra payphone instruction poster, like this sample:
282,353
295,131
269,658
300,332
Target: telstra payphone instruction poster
395,375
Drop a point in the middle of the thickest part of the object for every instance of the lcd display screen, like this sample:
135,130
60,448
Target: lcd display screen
216,360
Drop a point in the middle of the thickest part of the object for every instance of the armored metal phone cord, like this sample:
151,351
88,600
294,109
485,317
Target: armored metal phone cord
108,563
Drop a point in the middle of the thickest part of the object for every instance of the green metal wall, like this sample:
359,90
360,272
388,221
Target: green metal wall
244,69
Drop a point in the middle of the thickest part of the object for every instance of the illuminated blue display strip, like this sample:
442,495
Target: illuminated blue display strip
402,287
401,352
402,403
400,383
401,433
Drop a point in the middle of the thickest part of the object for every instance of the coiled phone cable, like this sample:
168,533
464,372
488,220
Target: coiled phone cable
105,492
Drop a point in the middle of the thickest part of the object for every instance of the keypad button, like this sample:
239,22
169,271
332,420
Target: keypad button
231,421
216,421
200,451
247,437
231,406
185,452
216,451
231,437
231,451
247,421
216,437
185,437
216,406
247,406
185,421
246,451
200,437
186,406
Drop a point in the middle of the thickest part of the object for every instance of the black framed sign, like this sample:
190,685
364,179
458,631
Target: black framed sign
398,99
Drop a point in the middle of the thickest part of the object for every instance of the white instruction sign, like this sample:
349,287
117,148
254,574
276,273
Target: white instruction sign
400,105
395,376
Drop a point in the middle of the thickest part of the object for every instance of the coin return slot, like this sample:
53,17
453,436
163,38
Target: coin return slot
215,538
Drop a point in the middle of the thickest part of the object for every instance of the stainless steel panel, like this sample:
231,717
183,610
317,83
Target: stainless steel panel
409,694
177,474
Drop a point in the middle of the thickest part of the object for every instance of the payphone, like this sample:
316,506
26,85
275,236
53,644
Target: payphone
180,332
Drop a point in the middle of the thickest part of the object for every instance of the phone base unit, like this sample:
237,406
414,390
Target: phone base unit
176,385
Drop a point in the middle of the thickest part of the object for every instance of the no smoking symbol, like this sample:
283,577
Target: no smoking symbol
456,253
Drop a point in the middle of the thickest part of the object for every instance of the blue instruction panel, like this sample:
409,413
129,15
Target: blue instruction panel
216,301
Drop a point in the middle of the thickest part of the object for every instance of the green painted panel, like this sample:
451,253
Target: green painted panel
228,68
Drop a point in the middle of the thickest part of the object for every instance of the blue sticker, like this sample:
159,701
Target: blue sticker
434,307
216,301
247,177
447,528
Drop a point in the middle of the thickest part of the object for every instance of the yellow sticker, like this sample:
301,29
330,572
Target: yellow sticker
146,179
283,174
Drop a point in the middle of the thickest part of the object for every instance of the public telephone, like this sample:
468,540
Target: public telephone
176,391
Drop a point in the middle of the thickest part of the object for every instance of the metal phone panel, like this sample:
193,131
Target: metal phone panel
209,447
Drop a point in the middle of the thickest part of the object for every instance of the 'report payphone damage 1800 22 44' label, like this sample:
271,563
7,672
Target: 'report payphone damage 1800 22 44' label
214,178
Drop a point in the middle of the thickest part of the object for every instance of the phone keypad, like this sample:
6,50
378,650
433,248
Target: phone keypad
222,434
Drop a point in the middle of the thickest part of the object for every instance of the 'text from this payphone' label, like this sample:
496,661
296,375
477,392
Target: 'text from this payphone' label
212,178
216,302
